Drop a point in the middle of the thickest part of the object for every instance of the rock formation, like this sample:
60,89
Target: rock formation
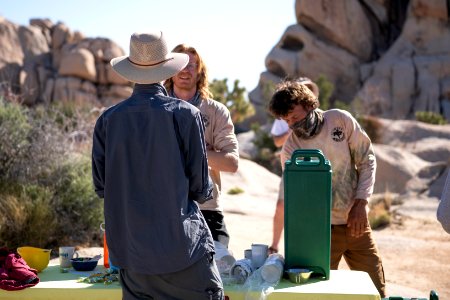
388,58
46,62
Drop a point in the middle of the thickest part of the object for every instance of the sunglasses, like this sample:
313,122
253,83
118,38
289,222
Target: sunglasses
191,66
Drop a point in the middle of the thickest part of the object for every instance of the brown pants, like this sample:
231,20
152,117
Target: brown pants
361,254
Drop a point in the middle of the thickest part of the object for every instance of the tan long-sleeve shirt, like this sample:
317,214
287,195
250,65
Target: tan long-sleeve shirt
219,136
346,145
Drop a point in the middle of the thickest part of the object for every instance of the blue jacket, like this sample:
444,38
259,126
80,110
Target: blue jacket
149,164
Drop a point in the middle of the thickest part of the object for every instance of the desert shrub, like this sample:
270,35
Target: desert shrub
46,194
379,214
430,117
342,105
14,129
71,116
27,217
267,91
78,210
262,139
381,219
326,89
235,191
240,108
75,122
372,126
30,144
266,149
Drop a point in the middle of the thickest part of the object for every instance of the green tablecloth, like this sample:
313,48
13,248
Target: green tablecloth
343,285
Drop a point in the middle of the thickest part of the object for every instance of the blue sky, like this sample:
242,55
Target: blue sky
233,36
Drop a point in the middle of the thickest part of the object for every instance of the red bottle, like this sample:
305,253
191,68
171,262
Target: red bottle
105,252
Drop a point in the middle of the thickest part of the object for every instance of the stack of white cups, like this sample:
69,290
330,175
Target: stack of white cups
269,267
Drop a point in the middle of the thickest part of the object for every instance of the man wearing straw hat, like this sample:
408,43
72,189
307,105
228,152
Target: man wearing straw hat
149,164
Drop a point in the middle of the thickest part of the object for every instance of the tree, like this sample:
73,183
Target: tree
234,100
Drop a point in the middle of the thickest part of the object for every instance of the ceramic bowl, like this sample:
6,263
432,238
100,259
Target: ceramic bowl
84,263
299,275
35,258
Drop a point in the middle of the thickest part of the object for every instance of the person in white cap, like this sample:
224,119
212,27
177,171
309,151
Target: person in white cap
191,85
280,132
149,164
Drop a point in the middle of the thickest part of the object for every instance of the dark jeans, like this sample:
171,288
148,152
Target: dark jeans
216,225
199,281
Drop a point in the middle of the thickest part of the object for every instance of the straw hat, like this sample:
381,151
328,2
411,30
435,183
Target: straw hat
149,60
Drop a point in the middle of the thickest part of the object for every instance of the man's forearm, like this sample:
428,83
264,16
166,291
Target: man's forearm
223,161
279,140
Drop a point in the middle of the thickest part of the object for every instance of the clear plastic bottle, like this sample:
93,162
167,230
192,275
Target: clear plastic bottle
241,270
272,269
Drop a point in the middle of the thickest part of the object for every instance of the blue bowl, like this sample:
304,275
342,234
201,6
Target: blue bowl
84,263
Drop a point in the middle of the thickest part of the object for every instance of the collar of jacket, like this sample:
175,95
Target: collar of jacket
154,88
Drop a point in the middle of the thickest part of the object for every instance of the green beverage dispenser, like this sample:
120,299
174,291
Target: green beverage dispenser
307,211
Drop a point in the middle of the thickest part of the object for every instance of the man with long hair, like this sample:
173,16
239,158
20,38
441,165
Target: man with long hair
191,85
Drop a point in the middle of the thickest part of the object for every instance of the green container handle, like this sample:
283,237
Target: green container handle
308,157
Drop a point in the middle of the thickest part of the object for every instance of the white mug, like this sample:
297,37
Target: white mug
65,255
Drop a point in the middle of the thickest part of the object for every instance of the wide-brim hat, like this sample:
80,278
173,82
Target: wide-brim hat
149,60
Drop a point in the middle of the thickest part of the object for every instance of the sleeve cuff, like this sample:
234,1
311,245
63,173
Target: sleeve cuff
100,193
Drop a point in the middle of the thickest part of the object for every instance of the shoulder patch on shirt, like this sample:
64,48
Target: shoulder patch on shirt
205,119
337,134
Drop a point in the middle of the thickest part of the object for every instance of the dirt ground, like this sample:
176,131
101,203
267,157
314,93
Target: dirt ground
416,258
416,254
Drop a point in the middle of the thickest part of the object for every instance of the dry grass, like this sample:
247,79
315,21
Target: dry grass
379,214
